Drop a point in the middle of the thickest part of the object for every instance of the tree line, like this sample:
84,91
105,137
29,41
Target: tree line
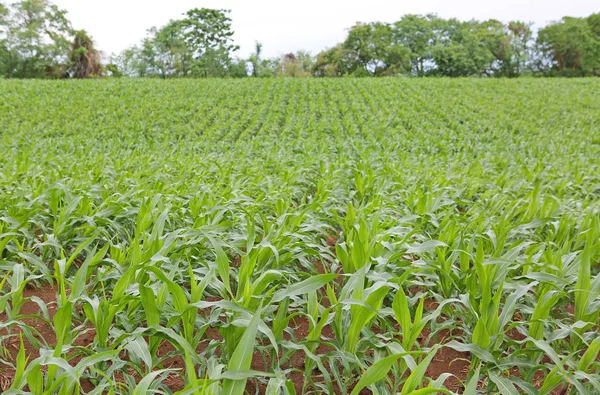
38,41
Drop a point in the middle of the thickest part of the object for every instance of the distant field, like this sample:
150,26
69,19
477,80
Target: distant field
300,236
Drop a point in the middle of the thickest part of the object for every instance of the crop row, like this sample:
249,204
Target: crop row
300,236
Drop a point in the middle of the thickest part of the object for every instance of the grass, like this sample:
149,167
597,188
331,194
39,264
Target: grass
287,236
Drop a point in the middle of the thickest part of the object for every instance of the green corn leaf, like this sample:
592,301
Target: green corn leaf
148,300
471,387
311,284
139,348
376,372
241,358
416,376
362,315
143,386
222,264
590,355
504,385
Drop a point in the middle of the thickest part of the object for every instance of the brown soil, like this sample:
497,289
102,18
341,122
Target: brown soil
446,360
12,344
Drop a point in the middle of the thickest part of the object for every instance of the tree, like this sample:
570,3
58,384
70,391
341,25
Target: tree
461,51
129,62
371,50
113,70
208,35
199,45
418,34
255,59
4,49
173,56
330,63
85,59
306,61
294,65
521,37
264,67
594,22
269,67
508,43
37,40
571,47
208,29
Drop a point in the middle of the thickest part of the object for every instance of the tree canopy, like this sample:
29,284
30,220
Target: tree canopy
198,45
37,40
571,46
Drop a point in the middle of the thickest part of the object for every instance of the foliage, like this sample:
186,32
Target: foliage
299,64
255,60
331,63
461,50
37,41
419,33
199,45
34,42
571,47
84,59
426,45
300,236
370,48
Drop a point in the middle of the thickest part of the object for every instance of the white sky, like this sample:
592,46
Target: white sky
284,26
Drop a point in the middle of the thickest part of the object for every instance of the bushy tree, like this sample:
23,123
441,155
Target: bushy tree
36,39
4,49
331,63
199,45
418,33
296,65
255,59
130,63
370,50
262,68
461,51
84,58
571,47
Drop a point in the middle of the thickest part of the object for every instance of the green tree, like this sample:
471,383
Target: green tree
521,38
166,52
419,34
294,65
84,58
269,67
4,49
461,51
199,45
238,68
330,63
37,40
370,50
571,47
594,22
508,43
130,62
255,59
208,35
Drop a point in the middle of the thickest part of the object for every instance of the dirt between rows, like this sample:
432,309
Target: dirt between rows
446,360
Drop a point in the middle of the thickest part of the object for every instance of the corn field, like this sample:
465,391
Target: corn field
358,236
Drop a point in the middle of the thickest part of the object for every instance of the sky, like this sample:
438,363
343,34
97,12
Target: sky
284,26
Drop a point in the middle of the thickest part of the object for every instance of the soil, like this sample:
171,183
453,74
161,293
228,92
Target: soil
446,360
46,294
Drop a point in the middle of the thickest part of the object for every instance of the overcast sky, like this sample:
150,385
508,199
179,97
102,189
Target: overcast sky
284,26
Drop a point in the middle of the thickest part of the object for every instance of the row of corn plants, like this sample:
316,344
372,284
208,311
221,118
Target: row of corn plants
284,237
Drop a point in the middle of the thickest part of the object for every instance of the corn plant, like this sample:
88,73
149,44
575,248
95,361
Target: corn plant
299,236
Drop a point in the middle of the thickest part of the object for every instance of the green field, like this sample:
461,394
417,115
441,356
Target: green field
300,236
